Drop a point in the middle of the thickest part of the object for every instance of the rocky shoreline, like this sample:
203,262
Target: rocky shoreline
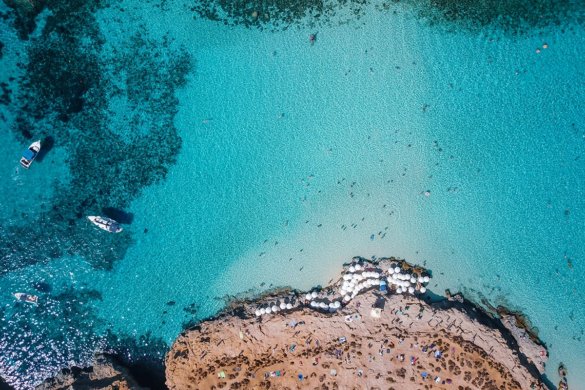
378,338
373,341
104,373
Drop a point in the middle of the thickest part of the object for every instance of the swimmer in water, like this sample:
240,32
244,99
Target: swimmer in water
313,38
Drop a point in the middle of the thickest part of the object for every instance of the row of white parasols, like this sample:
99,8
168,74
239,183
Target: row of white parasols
273,309
354,283
315,303
331,306
407,282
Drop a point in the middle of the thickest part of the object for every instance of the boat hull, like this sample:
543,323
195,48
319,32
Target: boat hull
104,223
23,297
30,154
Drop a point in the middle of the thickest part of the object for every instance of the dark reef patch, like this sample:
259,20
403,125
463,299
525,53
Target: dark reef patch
72,87
24,15
280,14
142,356
118,215
42,286
512,16
5,94
48,142
4,385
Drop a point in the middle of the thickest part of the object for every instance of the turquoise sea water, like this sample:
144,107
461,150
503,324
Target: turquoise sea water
245,158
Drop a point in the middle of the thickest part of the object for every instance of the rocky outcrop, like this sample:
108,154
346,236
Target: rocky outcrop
375,341
528,345
104,374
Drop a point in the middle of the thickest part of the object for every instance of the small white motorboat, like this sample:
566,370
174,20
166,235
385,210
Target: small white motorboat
30,154
28,298
105,223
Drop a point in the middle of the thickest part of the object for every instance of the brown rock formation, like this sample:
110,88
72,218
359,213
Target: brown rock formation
410,345
104,374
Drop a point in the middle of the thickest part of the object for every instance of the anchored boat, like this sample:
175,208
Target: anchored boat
23,297
29,155
105,223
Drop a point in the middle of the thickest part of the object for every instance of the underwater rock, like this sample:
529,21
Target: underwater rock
104,374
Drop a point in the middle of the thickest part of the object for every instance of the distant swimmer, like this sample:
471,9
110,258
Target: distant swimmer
206,120
313,38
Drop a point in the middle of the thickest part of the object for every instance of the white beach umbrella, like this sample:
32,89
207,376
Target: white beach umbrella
289,306
420,279
427,279
397,270
423,290
351,268
258,313
337,304
391,271
346,277
347,298
411,290
394,276
358,267
274,309
308,297
262,311
314,294
399,290
331,304
412,279
282,305
323,305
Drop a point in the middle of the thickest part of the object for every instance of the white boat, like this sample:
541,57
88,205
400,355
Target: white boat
23,297
30,154
105,223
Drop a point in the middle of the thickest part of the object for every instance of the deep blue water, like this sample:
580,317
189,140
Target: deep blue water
242,157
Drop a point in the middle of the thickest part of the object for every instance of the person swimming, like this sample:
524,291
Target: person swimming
313,38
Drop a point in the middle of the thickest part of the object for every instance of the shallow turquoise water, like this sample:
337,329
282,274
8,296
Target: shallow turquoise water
295,157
